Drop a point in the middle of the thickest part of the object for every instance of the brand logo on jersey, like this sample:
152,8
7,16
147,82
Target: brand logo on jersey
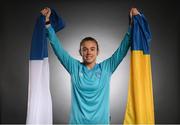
98,74
81,74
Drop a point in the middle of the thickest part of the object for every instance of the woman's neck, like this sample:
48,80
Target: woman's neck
90,65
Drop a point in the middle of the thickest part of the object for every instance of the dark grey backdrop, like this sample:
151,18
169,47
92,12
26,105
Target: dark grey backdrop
105,20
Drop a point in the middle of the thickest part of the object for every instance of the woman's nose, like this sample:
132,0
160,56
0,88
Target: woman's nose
88,51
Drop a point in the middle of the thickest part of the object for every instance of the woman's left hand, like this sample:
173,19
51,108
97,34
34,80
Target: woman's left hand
133,12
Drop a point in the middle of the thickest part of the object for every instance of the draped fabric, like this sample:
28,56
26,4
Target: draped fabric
140,105
39,109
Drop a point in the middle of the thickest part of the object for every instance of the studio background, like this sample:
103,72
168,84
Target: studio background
107,21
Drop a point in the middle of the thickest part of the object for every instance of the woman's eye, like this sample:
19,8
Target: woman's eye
92,49
84,49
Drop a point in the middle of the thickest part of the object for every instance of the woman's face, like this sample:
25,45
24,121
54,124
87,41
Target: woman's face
89,52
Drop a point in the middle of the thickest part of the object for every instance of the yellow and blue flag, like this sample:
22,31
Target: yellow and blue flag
140,105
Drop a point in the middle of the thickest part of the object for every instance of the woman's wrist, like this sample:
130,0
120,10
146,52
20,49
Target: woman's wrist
47,19
47,22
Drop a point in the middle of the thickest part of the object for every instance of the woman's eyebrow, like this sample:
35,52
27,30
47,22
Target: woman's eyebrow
90,47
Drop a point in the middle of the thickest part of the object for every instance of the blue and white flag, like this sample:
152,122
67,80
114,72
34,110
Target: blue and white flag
39,109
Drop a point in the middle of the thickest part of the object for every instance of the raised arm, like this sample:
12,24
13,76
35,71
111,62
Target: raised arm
111,63
66,60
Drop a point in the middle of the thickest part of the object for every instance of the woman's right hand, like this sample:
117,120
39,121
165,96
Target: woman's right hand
46,12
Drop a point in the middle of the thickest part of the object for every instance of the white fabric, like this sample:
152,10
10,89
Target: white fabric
39,98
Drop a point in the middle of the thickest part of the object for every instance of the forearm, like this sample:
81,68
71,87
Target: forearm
54,40
124,46
112,62
122,50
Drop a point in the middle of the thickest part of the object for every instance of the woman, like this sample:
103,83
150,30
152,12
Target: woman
90,80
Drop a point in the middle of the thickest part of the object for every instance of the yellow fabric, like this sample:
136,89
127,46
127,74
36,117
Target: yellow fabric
140,105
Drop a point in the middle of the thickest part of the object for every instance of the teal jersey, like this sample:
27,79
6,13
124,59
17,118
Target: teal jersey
90,87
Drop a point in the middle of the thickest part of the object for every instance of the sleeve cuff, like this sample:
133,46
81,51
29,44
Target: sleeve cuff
47,26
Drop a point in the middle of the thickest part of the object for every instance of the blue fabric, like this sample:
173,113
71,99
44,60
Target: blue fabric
90,88
141,35
39,48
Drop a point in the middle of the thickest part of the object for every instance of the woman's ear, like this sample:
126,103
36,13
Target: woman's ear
97,52
80,52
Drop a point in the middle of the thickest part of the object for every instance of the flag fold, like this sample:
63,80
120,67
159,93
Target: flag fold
39,108
140,105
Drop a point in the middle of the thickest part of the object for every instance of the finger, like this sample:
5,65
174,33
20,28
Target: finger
135,12
49,10
43,12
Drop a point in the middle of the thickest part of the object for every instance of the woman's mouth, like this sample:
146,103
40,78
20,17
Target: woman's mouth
88,57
